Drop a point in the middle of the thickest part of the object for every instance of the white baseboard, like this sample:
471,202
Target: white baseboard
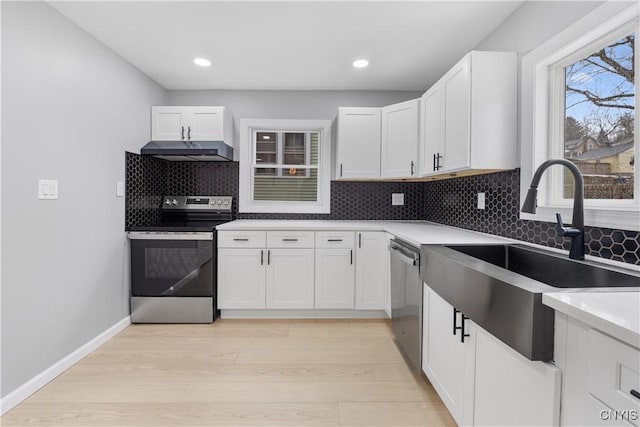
40,380
302,314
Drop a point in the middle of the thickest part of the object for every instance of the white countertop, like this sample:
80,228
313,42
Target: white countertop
616,313
414,232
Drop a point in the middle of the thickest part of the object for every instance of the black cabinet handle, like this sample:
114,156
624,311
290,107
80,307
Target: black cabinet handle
351,254
240,240
340,170
182,132
359,240
189,133
268,257
334,240
261,257
412,165
455,322
289,240
434,162
635,394
462,334
438,165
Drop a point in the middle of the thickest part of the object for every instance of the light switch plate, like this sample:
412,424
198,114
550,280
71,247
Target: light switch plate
47,189
397,199
481,200
119,189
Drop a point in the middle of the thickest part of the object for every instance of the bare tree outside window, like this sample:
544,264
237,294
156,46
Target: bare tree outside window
599,120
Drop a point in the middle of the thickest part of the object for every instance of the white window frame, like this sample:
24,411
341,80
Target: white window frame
246,157
543,102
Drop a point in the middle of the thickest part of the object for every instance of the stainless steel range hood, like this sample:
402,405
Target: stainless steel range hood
203,151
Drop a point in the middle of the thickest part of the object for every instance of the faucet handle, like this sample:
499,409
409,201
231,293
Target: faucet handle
565,231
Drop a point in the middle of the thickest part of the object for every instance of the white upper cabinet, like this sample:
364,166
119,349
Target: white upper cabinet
470,116
431,129
399,139
358,146
191,124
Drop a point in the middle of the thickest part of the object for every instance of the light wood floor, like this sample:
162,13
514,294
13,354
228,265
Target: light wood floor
240,373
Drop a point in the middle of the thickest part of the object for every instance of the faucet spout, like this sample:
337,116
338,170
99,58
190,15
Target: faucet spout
576,232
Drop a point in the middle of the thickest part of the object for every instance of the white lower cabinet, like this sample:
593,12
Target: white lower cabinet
303,270
372,271
447,361
289,278
241,278
512,390
335,277
599,374
482,381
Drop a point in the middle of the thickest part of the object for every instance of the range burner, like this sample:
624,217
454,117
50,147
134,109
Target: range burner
191,214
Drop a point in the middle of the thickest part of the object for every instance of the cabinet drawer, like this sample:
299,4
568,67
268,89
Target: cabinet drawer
335,239
242,239
290,239
613,372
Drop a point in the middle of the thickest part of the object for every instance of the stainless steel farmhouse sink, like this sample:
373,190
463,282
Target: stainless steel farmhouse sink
500,288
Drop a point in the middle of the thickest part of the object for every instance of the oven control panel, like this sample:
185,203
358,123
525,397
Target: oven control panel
187,203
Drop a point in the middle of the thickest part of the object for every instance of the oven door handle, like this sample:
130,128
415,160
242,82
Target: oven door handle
180,283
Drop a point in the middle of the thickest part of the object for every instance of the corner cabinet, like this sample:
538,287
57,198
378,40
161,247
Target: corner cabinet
469,117
358,147
378,143
399,140
480,379
191,124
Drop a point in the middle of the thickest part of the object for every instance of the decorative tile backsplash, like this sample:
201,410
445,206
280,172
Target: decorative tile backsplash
451,202
149,178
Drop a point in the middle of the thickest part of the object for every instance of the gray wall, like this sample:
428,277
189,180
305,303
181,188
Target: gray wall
535,22
529,26
70,109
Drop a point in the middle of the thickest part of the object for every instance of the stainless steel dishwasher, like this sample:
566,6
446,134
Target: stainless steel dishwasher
406,300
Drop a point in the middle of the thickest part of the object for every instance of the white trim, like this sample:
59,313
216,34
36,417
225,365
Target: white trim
303,314
34,384
534,115
245,204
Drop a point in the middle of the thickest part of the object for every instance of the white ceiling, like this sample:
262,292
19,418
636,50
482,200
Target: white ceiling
292,45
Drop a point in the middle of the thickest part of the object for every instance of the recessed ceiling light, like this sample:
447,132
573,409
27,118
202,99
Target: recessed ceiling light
360,63
202,62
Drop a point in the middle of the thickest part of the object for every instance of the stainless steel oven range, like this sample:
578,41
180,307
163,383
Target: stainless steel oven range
173,263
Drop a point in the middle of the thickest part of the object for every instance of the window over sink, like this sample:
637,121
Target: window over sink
578,103
285,166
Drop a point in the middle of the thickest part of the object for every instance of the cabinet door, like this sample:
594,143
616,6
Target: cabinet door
512,390
431,129
335,278
168,124
290,278
457,107
205,124
358,145
241,278
446,360
400,139
372,270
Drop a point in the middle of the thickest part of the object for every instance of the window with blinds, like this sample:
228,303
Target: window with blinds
285,165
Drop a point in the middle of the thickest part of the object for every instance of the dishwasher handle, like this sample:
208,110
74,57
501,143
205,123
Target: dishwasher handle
404,254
